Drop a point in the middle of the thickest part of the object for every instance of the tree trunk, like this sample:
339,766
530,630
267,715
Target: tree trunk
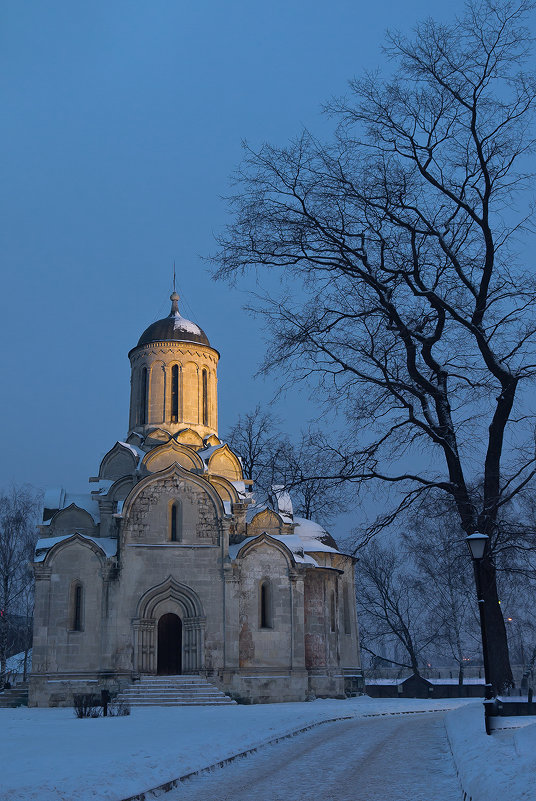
3,633
460,674
3,648
501,676
413,658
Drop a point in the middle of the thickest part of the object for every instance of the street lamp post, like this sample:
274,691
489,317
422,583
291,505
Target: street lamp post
477,546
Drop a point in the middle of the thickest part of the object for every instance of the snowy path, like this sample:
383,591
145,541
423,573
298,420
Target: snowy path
372,759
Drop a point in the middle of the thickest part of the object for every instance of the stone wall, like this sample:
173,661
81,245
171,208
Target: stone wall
60,653
191,359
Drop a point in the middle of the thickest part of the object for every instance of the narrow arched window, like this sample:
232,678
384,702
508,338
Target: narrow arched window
265,604
143,396
204,378
77,599
332,611
346,610
175,523
174,393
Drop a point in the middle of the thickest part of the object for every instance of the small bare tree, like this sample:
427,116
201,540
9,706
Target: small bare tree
391,609
18,535
252,437
271,459
445,582
415,313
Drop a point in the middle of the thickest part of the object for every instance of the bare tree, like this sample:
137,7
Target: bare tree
256,438
391,610
18,509
251,437
418,316
271,459
445,584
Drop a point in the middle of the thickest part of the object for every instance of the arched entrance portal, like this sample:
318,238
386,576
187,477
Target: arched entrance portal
150,642
169,651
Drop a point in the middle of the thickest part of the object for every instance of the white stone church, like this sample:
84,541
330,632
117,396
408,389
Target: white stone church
167,566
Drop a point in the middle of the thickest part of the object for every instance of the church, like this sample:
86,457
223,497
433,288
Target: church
168,566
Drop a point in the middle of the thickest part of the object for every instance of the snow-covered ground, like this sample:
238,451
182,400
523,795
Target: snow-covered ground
48,754
497,768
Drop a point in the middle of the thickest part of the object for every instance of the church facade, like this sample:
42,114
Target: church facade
169,566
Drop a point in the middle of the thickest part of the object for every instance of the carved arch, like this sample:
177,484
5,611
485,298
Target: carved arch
76,538
189,437
124,456
180,472
170,588
120,488
169,596
157,436
225,489
171,452
265,539
223,462
84,519
266,519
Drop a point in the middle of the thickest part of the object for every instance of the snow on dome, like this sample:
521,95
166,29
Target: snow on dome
316,537
174,327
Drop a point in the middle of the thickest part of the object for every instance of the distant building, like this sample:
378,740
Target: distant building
167,566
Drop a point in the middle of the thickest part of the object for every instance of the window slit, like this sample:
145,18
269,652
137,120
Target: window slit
174,393
205,397
77,608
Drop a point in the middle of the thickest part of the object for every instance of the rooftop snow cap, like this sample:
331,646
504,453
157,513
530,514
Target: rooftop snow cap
174,327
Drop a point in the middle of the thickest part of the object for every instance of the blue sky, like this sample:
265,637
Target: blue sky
122,124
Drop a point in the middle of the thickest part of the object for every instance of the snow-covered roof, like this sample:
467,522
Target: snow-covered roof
65,499
471,680
236,546
240,487
102,486
54,498
291,541
107,544
15,663
315,538
284,501
256,508
137,452
206,453
387,682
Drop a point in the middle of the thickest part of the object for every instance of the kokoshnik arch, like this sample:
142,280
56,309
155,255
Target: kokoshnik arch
168,565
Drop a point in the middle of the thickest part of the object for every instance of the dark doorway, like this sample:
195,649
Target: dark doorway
169,644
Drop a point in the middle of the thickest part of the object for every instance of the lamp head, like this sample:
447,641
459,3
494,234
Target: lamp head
477,544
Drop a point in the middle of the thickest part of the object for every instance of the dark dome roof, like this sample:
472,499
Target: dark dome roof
174,328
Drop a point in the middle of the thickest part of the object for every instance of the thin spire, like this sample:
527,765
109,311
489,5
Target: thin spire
174,290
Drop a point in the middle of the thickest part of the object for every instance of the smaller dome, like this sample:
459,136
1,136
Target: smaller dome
173,328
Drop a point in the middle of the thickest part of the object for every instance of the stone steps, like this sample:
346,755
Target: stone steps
173,691
16,696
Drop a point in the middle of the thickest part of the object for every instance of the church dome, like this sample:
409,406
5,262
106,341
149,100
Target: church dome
174,327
